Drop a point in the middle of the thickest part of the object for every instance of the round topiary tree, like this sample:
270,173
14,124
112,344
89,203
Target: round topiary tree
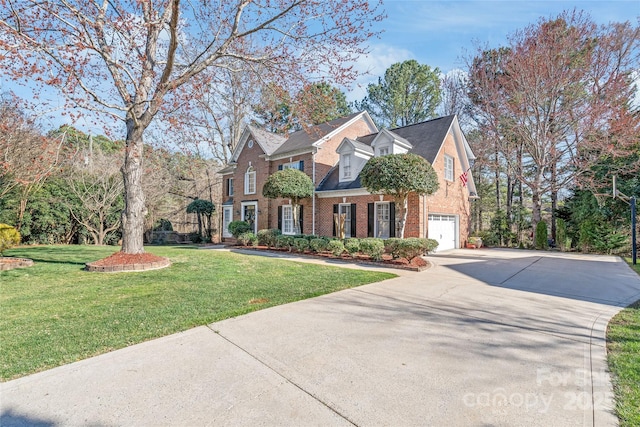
289,184
9,237
202,208
398,175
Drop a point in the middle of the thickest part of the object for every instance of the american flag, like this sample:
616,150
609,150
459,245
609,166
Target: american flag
463,178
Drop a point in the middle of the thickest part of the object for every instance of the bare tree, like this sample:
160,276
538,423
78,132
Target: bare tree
27,157
132,59
553,100
98,186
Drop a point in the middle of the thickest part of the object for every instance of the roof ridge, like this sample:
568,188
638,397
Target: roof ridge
422,122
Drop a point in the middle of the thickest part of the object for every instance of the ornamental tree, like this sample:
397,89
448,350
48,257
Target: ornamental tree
132,61
202,208
398,175
289,184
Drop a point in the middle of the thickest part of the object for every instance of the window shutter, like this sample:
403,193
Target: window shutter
280,218
371,212
392,219
279,167
353,220
301,218
333,221
301,165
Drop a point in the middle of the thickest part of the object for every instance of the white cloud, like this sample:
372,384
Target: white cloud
373,65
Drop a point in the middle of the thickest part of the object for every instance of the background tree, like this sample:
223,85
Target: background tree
553,102
289,184
98,185
130,60
27,157
409,93
399,175
320,103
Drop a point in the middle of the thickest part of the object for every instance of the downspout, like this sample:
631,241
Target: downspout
426,216
313,197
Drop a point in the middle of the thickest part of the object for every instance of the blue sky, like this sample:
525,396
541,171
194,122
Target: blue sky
442,33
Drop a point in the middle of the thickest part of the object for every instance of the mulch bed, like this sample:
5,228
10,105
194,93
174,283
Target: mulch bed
9,263
120,261
416,264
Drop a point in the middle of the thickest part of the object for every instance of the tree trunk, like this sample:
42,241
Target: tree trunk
134,203
554,199
403,214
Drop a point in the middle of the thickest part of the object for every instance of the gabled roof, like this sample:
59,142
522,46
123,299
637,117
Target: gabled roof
306,138
358,146
425,137
268,141
397,139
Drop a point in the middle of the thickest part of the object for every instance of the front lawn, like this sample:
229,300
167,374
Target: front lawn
623,348
55,313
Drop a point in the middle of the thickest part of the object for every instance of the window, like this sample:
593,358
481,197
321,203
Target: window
250,181
292,165
250,143
448,168
287,219
346,210
384,151
346,166
230,187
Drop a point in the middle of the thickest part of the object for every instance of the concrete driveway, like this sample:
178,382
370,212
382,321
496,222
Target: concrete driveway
484,338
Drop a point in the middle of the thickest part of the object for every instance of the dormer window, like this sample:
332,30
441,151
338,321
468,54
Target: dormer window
384,151
346,166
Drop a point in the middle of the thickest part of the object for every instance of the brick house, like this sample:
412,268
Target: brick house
333,155
260,154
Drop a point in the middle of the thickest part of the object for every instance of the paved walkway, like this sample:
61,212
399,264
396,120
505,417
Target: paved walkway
486,337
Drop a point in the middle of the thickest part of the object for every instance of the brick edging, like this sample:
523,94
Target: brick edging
17,263
120,268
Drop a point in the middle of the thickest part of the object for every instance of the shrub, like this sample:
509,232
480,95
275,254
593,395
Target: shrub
336,247
195,237
392,245
237,228
352,245
414,247
318,244
301,244
284,242
541,236
372,246
268,237
9,237
561,234
248,239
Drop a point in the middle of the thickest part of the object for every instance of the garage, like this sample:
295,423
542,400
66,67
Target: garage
443,228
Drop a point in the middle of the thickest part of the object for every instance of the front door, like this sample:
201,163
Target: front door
227,217
383,220
250,214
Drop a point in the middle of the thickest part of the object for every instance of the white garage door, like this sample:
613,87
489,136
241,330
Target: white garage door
443,229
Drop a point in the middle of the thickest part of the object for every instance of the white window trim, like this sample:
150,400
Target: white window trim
385,149
227,213
255,223
230,187
291,165
292,228
346,166
249,176
449,173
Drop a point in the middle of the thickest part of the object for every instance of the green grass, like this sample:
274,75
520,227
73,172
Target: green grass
623,355
55,313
